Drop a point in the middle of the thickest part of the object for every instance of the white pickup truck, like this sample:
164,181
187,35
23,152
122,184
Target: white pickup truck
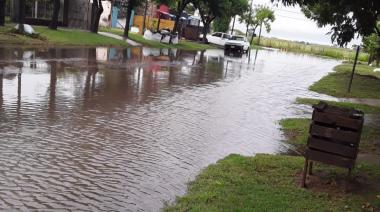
218,38
237,44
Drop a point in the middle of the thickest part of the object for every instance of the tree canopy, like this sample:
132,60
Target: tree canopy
260,15
349,18
238,7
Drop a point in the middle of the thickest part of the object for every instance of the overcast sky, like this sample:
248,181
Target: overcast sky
291,24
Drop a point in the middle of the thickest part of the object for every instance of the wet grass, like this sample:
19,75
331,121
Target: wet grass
314,49
271,183
366,83
296,132
367,109
185,45
360,69
60,37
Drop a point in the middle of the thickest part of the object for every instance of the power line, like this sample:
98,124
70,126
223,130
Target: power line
288,11
284,16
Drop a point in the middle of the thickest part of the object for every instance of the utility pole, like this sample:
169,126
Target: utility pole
233,26
353,69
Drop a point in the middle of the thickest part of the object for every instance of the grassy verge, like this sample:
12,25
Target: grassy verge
60,37
296,131
366,83
270,183
367,109
302,47
360,69
186,45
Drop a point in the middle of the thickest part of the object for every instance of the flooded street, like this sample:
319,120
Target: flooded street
113,129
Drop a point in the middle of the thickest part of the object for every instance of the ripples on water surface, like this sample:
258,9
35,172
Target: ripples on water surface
109,129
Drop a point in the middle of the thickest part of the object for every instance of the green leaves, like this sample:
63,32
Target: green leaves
261,14
348,18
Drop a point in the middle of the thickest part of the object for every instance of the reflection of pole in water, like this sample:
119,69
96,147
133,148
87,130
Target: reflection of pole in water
52,89
53,82
1,89
18,93
226,68
91,74
249,57
201,57
254,61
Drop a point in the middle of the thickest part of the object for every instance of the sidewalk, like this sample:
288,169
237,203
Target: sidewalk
111,35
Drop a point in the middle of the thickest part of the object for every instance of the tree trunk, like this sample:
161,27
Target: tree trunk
97,10
21,16
261,26
206,26
252,38
128,18
145,10
180,7
2,12
54,20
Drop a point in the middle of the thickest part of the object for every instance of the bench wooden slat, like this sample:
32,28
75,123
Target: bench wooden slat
335,134
331,147
327,158
337,120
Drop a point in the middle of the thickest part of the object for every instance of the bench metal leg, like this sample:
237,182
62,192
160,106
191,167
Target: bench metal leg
305,169
311,168
349,174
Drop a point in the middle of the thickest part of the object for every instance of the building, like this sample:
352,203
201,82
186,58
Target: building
73,13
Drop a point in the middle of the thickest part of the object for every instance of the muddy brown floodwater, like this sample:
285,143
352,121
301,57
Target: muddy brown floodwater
126,129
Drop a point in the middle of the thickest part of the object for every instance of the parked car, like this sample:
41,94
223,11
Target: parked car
237,44
218,38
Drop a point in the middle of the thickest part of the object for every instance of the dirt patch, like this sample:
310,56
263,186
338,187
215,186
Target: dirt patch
369,158
341,185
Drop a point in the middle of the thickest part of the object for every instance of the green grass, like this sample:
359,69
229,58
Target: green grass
321,50
366,84
60,37
186,45
296,132
269,183
360,69
367,109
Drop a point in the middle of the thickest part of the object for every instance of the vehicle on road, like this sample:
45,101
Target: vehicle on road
238,44
218,38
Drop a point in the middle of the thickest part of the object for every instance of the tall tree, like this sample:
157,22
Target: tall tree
372,46
348,18
238,7
21,16
2,12
209,10
97,10
181,5
54,19
261,15
221,24
130,5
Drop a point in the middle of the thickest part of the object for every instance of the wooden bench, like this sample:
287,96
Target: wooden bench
334,137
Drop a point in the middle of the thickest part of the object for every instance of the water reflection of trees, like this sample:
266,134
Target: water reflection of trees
124,76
